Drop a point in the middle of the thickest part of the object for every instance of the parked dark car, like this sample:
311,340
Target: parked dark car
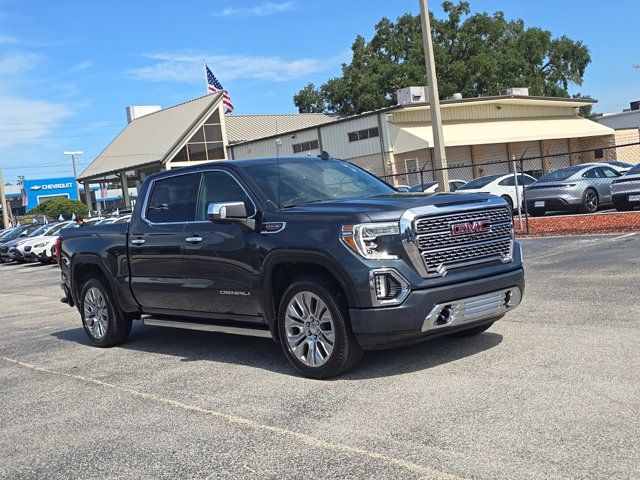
317,254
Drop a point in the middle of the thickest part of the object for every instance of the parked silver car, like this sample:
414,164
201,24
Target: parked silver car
625,191
583,188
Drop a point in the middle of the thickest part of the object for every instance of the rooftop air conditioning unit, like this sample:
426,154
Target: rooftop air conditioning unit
518,91
409,95
134,112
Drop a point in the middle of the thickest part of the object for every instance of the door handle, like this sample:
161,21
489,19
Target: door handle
137,241
193,239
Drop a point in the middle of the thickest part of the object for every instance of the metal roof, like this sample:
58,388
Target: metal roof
149,139
243,128
450,103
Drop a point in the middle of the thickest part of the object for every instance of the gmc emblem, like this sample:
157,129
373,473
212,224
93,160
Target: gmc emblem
468,228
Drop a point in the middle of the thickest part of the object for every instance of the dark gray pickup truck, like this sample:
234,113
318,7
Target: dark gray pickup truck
317,254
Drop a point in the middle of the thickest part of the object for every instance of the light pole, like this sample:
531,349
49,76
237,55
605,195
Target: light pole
73,154
441,174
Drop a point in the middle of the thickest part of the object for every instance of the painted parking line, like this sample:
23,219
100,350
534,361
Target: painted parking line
580,247
426,472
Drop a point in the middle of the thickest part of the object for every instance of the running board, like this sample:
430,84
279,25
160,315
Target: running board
204,327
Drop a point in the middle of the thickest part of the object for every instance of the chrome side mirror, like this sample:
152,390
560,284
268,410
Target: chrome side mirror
227,211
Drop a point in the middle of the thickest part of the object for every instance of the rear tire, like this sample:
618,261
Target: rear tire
103,322
472,331
590,201
507,198
314,329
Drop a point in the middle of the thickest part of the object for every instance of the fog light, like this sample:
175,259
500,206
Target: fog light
387,287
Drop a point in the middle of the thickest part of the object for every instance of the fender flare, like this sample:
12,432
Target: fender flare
300,256
91,259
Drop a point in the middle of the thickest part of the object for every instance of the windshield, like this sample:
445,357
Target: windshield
635,170
479,182
423,187
308,181
559,175
16,232
41,231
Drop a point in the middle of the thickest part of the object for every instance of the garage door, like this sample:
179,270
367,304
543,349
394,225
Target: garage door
459,162
560,151
532,151
492,159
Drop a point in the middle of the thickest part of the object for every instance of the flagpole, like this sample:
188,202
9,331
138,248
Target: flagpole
206,80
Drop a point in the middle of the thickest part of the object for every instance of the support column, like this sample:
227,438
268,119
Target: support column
125,190
87,196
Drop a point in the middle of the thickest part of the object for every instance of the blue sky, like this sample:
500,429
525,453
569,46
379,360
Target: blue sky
69,68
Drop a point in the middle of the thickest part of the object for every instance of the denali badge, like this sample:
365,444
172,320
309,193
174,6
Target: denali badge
468,228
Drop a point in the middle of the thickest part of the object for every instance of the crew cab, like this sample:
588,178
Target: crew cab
315,253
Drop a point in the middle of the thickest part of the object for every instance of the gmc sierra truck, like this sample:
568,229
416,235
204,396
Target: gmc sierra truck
317,254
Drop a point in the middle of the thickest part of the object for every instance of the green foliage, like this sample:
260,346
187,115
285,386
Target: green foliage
477,54
60,206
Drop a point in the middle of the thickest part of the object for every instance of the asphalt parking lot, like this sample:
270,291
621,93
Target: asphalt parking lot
551,391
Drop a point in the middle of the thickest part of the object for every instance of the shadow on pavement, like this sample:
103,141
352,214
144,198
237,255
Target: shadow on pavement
266,354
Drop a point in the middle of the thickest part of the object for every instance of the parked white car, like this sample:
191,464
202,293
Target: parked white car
39,248
432,187
500,185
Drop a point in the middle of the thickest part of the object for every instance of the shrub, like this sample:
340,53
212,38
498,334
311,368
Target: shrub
60,206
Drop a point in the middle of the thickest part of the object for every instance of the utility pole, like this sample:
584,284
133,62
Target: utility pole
441,174
73,154
3,200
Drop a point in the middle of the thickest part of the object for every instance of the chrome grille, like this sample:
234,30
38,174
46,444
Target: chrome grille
441,250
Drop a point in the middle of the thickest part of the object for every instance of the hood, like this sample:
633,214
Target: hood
388,207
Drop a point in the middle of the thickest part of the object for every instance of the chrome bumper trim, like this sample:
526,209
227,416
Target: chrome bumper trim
472,309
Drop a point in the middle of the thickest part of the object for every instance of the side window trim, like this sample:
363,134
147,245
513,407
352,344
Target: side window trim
143,212
235,179
147,196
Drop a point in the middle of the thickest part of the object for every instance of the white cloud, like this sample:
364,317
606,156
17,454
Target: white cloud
188,68
15,64
262,10
8,39
81,66
24,120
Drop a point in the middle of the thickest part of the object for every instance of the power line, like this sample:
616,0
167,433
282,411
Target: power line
57,123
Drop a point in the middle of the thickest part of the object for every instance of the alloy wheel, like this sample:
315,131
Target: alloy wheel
96,313
309,329
592,201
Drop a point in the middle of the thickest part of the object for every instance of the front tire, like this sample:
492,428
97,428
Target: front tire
314,329
103,322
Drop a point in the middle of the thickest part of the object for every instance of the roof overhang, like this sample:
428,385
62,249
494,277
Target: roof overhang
408,137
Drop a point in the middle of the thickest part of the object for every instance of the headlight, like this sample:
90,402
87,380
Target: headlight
40,245
362,238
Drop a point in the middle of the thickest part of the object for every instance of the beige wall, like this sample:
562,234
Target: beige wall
627,135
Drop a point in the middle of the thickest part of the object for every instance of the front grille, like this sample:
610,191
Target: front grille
441,250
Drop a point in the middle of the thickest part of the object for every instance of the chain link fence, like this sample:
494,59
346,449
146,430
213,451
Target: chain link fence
596,190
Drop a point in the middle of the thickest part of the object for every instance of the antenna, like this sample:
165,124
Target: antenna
278,143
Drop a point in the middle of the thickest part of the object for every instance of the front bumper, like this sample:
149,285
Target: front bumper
470,303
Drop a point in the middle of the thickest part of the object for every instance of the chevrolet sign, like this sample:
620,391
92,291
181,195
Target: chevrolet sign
52,186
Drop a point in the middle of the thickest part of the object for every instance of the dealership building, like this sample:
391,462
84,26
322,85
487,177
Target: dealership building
390,141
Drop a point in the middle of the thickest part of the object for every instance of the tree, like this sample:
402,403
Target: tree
60,206
477,54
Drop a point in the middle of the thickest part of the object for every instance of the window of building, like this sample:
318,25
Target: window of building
411,165
598,153
363,134
221,187
205,144
305,146
173,199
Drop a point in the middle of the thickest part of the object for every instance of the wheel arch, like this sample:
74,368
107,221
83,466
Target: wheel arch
85,267
280,268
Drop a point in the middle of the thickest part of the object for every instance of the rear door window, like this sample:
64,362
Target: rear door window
173,199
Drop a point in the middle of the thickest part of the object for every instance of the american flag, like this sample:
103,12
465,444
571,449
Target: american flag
215,86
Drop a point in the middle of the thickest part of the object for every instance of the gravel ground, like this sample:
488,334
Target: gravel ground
552,390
